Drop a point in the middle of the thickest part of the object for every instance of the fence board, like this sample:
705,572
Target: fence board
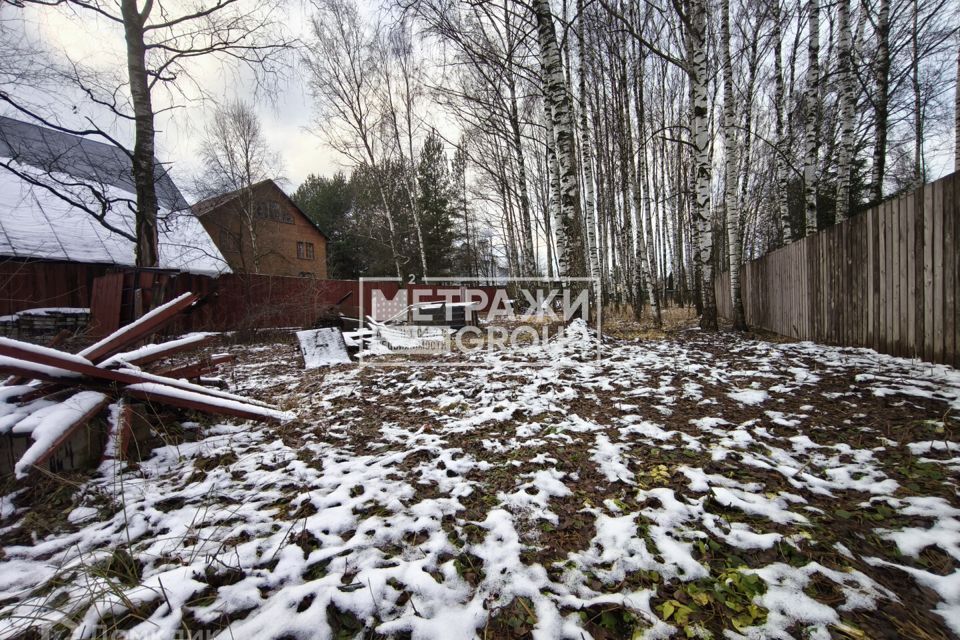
884,254
949,280
871,280
902,288
917,306
928,272
888,278
938,292
911,289
956,271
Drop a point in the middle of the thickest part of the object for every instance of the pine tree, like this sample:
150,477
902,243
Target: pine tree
328,202
436,205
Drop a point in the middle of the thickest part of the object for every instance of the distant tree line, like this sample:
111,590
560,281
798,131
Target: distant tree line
349,210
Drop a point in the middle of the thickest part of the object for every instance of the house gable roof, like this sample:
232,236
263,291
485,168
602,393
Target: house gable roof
205,206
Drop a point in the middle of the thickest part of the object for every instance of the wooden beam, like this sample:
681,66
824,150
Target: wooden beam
56,341
42,359
152,353
162,394
42,391
77,424
197,369
138,329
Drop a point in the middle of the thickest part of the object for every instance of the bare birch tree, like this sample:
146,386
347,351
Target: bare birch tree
163,40
341,62
811,167
560,111
235,156
730,171
881,76
847,104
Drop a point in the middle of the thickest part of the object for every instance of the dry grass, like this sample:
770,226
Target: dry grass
620,322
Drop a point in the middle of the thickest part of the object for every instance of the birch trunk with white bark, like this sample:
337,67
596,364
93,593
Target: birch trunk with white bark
847,98
571,259
812,117
731,172
778,92
881,100
642,199
589,199
698,73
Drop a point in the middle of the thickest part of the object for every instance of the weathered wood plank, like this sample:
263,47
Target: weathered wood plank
909,216
917,260
105,299
938,280
949,280
955,213
884,257
868,219
888,278
139,329
901,287
928,304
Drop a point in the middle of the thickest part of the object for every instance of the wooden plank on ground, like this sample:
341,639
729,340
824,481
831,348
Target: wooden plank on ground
153,352
168,395
197,369
77,423
28,354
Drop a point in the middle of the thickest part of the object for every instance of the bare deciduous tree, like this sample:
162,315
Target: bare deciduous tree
163,40
235,157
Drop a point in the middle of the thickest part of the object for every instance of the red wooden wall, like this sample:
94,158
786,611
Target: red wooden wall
26,284
229,302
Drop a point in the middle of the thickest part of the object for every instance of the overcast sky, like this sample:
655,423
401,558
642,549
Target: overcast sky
285,111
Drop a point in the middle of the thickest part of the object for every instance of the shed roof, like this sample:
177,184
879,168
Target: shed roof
36,223
90,160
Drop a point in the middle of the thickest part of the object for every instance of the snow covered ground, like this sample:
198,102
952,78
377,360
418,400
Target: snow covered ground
703,485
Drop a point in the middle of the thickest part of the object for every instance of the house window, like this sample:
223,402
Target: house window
305,250
269,210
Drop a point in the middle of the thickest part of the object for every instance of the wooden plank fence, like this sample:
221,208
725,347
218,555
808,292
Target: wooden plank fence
887,279
116,295
28,284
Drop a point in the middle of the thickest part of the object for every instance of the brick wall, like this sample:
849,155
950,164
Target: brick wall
272,248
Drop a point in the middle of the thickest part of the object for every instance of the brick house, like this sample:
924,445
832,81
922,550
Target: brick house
261,230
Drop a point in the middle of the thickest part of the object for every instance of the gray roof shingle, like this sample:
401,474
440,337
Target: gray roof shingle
89,160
